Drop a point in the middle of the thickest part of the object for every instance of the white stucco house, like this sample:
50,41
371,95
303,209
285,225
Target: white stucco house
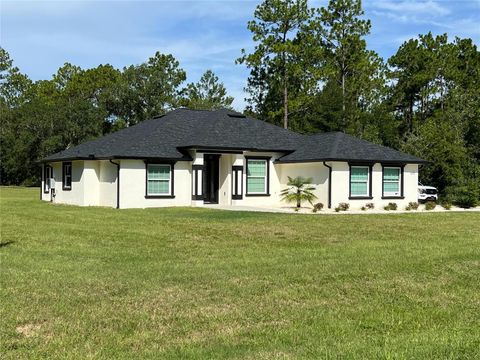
190,158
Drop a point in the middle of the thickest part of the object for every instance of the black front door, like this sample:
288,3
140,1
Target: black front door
210,180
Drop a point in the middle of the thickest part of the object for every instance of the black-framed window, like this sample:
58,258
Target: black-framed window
197,182
237,182
67,176
257,176
392,181
360,181
47,176
159,180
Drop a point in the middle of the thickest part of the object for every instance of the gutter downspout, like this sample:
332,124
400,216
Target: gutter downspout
118,182
329,184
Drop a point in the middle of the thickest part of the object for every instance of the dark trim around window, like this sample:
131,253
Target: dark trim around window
237,188
402,172
197,193
267,159
47,170
172,179
369,196
66,187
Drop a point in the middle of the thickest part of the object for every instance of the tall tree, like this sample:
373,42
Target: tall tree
435,93
207,94
149,89
358,72
51,115
275,61
13,84
14,92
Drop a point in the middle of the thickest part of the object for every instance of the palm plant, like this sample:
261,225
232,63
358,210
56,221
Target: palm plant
299,189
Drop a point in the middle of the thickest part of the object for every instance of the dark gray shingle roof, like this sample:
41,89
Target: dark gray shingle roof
343,147
168,136
163,137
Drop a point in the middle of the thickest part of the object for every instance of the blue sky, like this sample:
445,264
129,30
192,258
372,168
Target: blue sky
42,35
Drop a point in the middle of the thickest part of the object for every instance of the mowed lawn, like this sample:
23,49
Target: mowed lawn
79,283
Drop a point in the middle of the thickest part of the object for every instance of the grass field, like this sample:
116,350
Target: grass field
79,283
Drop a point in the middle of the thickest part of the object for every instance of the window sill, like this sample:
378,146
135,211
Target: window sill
257,194
159,196
66,189
360,197
393,197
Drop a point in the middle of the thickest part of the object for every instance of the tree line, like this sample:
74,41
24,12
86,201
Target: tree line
42,117
310,71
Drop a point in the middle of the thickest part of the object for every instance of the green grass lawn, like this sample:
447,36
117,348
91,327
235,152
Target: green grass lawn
194,283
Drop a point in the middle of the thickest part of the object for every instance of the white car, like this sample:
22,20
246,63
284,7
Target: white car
427,193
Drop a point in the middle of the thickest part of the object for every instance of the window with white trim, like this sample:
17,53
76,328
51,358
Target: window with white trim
159,179
359,181
257,176
391,181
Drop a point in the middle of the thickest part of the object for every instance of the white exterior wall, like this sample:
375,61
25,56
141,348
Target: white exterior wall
91,183
75,196
317,171
133,186
108,184
410,185
225,181
275,186
341,186
95,183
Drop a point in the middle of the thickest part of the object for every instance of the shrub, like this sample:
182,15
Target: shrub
465,196
390,206
412,206
447,206
31,181
344,206
430,205
368,206
337,209
317,207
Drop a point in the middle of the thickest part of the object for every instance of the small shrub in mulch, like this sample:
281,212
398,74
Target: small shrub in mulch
412,206
430,205
344,206
390,206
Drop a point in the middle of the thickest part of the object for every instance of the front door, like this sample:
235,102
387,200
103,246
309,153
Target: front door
211,175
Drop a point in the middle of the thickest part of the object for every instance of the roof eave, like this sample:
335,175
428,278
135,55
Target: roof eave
116,157
390,161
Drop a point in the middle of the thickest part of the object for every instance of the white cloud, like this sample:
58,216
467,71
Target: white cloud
412,7
41,36
408,18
